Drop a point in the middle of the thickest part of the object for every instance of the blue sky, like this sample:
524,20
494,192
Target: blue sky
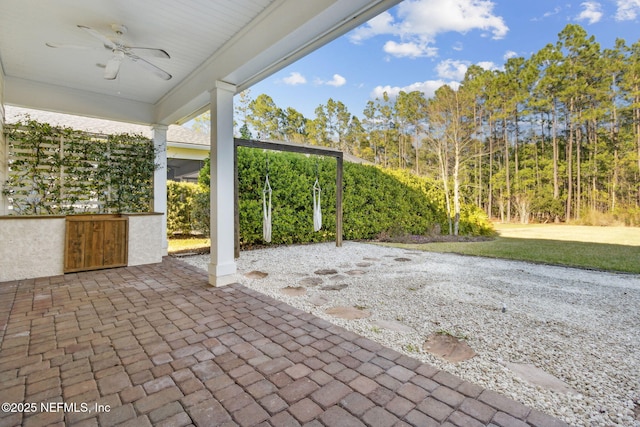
422,44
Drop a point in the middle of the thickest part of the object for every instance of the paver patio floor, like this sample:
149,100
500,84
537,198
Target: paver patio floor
156,345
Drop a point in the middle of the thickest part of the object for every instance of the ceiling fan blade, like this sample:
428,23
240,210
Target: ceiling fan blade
70,46
104,39
150,67
112,68
149,52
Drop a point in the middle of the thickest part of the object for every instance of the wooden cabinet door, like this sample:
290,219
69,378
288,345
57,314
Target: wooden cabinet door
115,243
93,246
74,246
95,241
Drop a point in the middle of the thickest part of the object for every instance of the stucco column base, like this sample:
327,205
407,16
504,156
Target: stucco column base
222,275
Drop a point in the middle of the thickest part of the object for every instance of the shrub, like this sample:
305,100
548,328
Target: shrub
200,212
179,207
375,200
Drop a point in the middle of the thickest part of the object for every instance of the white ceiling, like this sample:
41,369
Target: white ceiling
236,41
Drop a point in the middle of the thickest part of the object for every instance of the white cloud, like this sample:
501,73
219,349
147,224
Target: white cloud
411,50
428,18
381,24
555,11
509,54
627,10
294,79
452,69
336,81
548,14
428,87
488,65
592,12
420,21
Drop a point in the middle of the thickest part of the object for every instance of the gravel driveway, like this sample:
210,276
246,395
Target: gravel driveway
577,329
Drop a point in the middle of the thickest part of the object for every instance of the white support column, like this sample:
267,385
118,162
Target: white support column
160,179
222,268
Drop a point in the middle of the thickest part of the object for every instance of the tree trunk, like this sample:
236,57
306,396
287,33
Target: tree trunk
569,163
614,138
614,184
445,183
578,172
456,189
479,174
417,153
554,143
490,192
506,168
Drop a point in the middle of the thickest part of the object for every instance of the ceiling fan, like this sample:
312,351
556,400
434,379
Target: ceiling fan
121,51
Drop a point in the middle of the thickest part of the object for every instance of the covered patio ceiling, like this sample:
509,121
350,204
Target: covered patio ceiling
239,42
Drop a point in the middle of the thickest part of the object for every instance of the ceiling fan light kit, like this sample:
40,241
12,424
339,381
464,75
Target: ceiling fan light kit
121,51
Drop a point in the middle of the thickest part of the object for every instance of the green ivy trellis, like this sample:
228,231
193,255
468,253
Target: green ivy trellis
58,170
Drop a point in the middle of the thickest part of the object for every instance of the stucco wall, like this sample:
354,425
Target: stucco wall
31,247
145,239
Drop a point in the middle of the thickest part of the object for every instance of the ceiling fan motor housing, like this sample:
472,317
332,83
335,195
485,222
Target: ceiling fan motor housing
119,29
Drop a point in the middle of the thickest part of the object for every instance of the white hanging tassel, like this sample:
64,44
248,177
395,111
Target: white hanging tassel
317,211
266,211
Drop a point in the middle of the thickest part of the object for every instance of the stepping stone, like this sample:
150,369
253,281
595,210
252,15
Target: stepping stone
539,377
337,277
363,264
326,272
392,325
256,275
318,300
355,272
292,291
448,347
311,281
334,287
348,313
402,259
371,259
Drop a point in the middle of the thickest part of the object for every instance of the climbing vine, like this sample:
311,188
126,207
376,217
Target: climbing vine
58,170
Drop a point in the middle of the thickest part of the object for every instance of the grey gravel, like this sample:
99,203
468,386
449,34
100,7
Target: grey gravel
581,326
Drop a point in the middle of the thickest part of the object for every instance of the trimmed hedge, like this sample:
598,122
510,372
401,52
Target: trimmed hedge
180,206
374,201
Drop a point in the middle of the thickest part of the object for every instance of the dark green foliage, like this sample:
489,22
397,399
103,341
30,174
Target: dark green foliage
292,177
180,196
204,175
377,201
374,200
200,213
56,170
127,174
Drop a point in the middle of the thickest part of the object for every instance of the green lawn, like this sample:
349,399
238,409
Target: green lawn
603,248
190,244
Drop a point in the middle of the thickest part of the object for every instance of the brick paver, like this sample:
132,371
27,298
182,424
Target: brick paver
156,345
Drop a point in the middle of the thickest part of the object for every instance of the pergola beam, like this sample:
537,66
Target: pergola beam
292,148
